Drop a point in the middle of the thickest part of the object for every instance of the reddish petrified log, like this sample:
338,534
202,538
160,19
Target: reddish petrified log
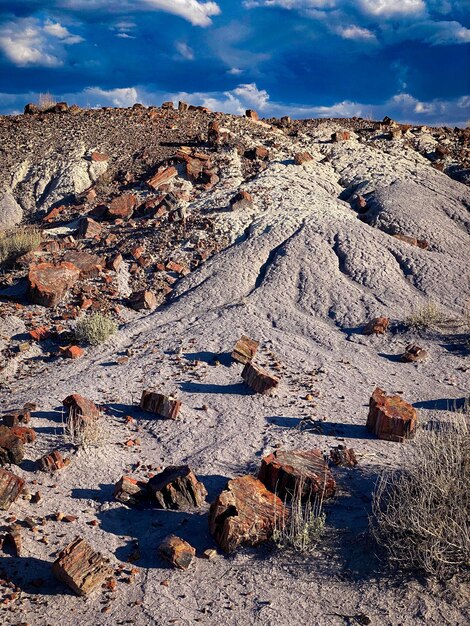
259,379
177,488
390,417
245,349
80,567
162,405
177,552
11,487
130,491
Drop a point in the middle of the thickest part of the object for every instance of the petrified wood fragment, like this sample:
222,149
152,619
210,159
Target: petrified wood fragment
11,487
162,405
80,567
376,326
52,462
11,447
245,349
177,552
130,491
81,411
340,455
244,513
414,354
14,539
177,488
285,472
390,417
259,379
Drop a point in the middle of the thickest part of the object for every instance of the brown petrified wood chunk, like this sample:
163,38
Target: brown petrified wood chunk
244,513
162,177
13,537
90,265
80,567
11,487
414,354
340,455
177,488
24,434
52,462
390,417
48,283
11,447
81,411
143,300
129,490
259,379
302,157
162,405
122,206
177,552
245,349
17,417
376,326
284,471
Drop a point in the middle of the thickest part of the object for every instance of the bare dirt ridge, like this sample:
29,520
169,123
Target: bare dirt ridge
375,224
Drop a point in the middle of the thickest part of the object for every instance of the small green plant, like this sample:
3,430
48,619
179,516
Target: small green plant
304,526
18,241
426,316
420,511
95,328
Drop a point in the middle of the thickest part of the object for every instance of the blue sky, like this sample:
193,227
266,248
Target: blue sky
409,59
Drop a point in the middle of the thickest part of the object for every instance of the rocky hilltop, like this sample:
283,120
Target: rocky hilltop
340,247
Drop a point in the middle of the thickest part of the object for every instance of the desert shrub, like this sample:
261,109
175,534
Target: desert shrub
303,527
46,101
18,241
95,328
420,512
426,316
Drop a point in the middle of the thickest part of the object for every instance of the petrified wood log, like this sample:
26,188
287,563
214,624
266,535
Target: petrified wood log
390,417
245,349
52,462
376,326
414,354
259,379
81,411
130,491
177,552
11,487
340,455
24,434
288,472
11,447
244,513
80,567
177,488
157,403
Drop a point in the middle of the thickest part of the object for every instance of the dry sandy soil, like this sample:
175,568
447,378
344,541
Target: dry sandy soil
302,274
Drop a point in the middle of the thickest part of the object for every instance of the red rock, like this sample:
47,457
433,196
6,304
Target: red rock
11,487
177,488
260,152
114,263
122,206
24,434
177,552
242,200
49,283
171,266
160,178
164,406
390,417
130,491
302,157
80,567
340,455
99,156
376,326
244,514
88,228
183,106
40,333
53,213
419,243
31,109
213,133
341,135
72,352
90,265
285,471
60,107
137,252
252,115
141,300
414,354
194,168
259,379
167,105
245,349
52,462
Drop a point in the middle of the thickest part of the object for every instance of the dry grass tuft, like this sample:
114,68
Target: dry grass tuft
18,241
421,511
304,527
82,432
95,329
46,101
426,316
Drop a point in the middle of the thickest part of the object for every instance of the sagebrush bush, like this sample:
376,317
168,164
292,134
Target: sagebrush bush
303,527
18,241
421,510
95,328
426,316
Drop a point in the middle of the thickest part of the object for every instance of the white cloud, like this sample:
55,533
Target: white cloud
235,71
291,4
123,97
389,8
198,13
30,42
185,51
356,33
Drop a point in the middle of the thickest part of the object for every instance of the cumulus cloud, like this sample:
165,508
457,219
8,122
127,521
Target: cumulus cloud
29,41
198,13
356,33
123,97
388,8
184,51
